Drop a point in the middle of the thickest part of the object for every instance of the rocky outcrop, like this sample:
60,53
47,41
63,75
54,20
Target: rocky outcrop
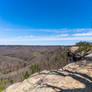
74,48
75,77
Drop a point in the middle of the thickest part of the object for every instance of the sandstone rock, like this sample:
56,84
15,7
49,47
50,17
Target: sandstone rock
75,77
74,48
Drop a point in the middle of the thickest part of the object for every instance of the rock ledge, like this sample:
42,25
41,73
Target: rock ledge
75,77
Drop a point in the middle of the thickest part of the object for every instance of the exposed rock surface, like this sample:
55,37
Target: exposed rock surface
74,48
75,77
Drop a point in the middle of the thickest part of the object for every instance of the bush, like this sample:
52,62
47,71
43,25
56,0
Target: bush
34,68
84,47
83,43
11,81
25,64
2,88
26,75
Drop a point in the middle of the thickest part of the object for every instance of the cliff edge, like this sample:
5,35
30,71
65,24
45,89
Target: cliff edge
75,77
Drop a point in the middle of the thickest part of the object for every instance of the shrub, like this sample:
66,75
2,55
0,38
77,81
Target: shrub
11,81
84,47
26,75
25,64
34,68
2,88
83,43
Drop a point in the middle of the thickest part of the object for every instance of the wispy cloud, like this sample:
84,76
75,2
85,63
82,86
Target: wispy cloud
43,38
59,35
62,35
34,30
83,34
62,30
82,30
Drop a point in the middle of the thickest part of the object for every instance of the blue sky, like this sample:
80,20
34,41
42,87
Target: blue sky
45,22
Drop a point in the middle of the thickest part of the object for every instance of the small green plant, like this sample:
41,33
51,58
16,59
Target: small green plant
26,75
34,68
11,81
2,88
25,64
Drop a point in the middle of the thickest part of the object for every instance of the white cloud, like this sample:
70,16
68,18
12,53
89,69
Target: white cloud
83,34
61,30
65,35
46,38
33,30
62,35
82,30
